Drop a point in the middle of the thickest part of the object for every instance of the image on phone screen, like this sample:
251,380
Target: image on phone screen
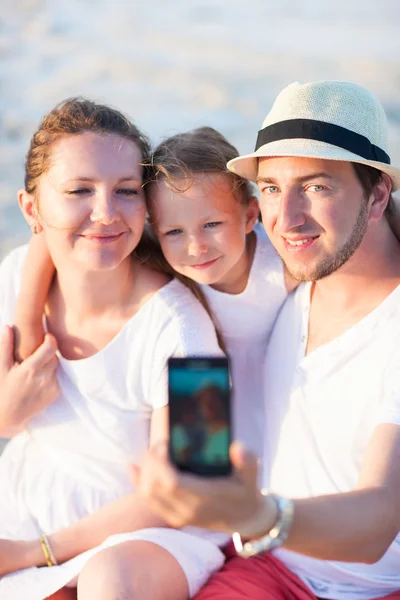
200,414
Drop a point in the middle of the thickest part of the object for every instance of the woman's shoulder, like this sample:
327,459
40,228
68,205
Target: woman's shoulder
148,283
175,323
179,302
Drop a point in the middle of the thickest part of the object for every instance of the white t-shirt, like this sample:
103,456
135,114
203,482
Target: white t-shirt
78,451
245,321
321,410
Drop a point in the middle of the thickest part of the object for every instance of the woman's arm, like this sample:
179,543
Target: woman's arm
129,513
36,279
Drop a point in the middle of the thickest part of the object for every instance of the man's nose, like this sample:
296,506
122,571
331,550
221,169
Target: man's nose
291,211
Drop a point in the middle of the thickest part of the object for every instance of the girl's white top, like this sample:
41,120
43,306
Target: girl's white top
245,321
76,454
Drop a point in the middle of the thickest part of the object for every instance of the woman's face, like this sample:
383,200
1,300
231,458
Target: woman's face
90,201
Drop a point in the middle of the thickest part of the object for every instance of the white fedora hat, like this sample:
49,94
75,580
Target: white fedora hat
333,120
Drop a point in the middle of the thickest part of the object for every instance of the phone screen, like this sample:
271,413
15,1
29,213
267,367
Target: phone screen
200,415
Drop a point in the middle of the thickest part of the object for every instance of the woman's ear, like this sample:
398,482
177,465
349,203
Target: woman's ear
28,208
252,213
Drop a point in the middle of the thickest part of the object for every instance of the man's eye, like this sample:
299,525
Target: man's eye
270,189
128,192
212,224
173,232
316,188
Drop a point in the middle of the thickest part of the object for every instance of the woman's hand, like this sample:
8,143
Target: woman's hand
25,388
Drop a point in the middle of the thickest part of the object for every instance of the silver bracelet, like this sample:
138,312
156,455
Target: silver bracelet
275,537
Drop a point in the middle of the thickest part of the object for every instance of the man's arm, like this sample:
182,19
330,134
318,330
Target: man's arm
357,526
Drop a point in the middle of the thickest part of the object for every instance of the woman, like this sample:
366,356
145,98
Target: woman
83,409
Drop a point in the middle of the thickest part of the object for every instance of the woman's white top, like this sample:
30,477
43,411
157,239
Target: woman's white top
76,454
245,321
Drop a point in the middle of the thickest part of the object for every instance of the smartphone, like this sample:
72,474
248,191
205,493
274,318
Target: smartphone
200,415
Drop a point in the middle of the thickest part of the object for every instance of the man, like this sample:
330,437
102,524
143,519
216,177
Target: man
332,398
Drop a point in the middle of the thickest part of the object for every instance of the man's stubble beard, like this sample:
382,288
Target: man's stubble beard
331,263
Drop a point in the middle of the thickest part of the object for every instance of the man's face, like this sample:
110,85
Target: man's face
314,211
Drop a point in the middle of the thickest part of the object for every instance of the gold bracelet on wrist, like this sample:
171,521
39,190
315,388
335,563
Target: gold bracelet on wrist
47,551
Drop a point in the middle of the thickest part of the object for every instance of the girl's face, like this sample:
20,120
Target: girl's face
90,203
202,230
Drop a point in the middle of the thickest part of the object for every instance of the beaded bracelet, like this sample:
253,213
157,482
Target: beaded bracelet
47,551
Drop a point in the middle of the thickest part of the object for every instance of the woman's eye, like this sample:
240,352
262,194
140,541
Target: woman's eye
78,192
212,224
173,232
128,192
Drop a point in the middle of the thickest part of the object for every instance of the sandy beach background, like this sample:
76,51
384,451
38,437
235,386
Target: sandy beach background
174,64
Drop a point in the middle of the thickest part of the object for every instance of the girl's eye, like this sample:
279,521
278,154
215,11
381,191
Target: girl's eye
173,232
212,224
128,192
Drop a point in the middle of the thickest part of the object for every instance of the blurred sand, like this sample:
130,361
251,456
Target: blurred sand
175,65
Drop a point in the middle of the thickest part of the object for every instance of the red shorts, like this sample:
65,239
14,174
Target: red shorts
259,578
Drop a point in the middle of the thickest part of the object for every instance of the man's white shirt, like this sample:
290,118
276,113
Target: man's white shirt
321,410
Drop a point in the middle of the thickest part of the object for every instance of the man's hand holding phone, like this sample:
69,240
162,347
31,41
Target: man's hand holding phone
197,477
227,504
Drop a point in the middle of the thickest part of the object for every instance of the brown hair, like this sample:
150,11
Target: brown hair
71,117
369,177
74,116
202,150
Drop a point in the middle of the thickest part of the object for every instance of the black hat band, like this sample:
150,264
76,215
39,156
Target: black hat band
322,132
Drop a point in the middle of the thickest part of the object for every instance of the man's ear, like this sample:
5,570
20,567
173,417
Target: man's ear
252,213
28,208
380,197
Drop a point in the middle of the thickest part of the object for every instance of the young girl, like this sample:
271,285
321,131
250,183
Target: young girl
86,404
205,221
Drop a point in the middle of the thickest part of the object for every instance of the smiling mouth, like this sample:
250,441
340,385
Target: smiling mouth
103,237
300,244
204,265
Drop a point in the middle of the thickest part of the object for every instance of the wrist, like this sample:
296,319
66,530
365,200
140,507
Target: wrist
274,536
31,554
263,520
